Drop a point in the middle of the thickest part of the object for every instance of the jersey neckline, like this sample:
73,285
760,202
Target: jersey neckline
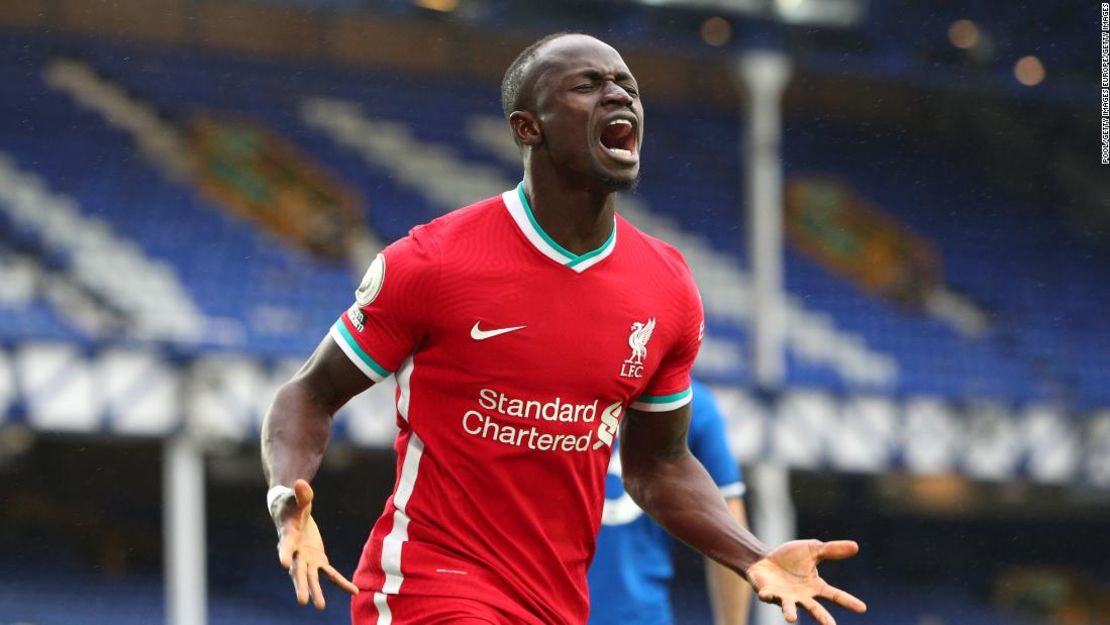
521,211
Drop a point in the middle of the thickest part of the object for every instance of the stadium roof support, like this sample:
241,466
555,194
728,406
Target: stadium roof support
185,546
764,75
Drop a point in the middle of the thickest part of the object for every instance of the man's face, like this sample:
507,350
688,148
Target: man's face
589,110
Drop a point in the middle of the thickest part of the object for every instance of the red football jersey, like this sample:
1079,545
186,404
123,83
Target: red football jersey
515,360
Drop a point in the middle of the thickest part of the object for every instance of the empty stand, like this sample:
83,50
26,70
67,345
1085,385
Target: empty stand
412,158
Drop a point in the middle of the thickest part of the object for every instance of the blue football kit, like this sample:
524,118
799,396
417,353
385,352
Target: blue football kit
632,569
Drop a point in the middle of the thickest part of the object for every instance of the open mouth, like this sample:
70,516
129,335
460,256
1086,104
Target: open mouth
618,138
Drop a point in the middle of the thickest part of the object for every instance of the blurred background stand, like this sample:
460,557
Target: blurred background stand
902,244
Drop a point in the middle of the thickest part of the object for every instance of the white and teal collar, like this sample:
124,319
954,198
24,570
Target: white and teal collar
521,212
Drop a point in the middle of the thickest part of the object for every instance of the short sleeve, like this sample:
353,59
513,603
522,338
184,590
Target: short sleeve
669,388
390,314
708,442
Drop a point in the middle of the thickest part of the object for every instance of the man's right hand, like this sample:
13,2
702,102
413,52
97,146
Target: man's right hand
301,548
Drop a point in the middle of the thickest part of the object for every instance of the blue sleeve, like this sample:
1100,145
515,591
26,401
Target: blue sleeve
709,442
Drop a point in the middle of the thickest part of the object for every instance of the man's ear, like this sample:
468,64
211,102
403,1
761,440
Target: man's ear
526,128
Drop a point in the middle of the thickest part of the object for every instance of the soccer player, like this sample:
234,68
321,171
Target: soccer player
633,566
523,332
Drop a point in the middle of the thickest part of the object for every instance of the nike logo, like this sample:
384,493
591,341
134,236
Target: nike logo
479,334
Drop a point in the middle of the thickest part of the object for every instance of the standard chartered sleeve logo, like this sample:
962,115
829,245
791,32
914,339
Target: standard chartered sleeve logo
522,422
607,431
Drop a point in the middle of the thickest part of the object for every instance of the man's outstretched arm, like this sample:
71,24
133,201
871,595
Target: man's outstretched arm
294,436
296,429
665,479
729,594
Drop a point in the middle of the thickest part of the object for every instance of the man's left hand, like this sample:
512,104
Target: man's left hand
788,577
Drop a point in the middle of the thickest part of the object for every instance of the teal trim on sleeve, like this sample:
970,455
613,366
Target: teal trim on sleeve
664,399
363,356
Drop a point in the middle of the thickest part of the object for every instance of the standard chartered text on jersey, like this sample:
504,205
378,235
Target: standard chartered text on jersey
487,426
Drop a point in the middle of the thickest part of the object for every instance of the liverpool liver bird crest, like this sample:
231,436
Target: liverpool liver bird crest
641,334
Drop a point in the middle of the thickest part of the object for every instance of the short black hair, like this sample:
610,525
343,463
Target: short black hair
511,98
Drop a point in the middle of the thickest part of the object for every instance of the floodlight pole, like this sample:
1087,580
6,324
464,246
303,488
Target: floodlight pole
183,536
764,75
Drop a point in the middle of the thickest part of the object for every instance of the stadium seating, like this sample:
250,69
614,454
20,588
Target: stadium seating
24,309
138,600
412,159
